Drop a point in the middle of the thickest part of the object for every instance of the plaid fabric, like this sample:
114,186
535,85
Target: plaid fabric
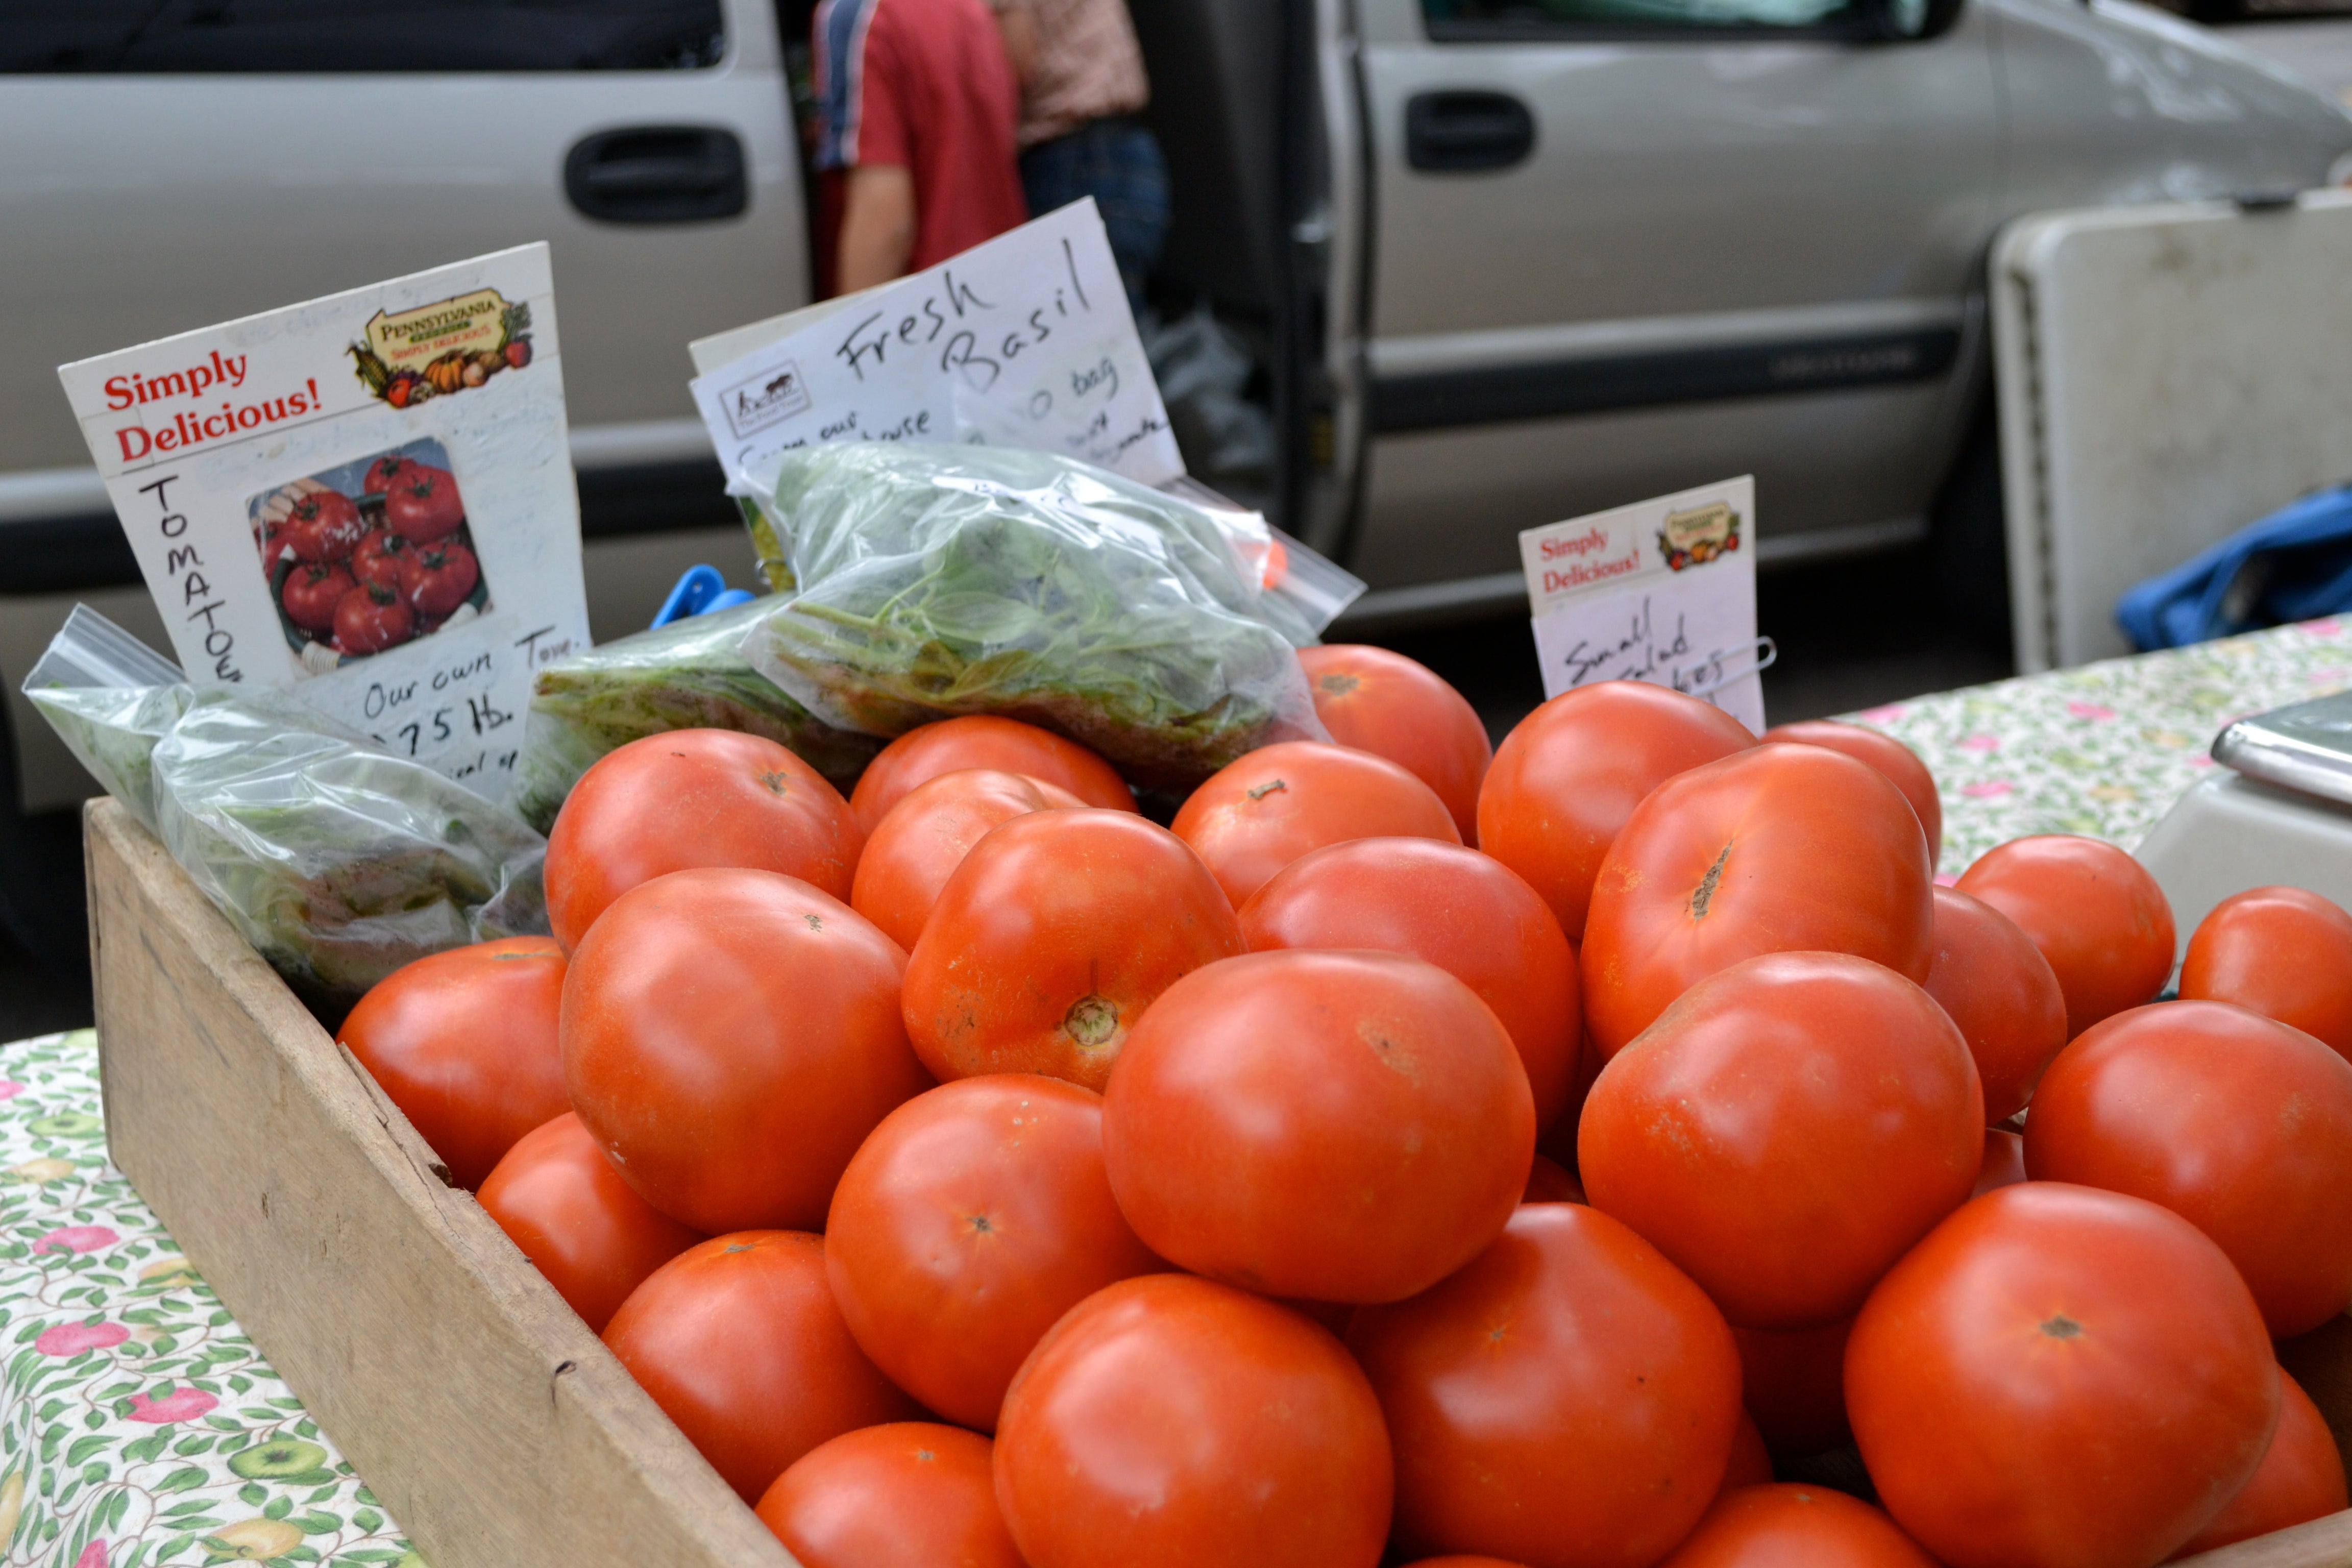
1117,162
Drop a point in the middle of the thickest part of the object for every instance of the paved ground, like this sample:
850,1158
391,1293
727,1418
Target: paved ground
1851,634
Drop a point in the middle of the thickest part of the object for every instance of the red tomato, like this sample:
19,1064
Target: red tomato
1786,1131
1168,1422
2094,913
739,1341
1750,1464
371,619
912,1494
1778,849
924,837
2005,1161
1564,782
977,741
1459,1562
2060,1377
435,578
379,558
2002,994
1549,1182
1393,707
1890,756
2301,1478
972,1219
311,592
324,525
561,1202
1051,939
422,504
1796,1527
730,1037
1794,1383
689,798
384,472
1342,1126
2236,1122
1465,912
1567,1401
2283,952
464,1043
1256,816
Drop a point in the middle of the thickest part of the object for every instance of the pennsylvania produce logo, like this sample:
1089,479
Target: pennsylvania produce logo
1697,536
442,348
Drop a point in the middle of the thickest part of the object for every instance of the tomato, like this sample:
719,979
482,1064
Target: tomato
1568,1400
324,525
1786,1131
1465,912
973,1218
1566,779
422,504
1461,1562
311,592
920,841
2094,913
1393,707
436,578
729,1037
1794,1383
2238,1123
1750,1464
2284,952
384,472
1778,849
737,1340
1890,756
1168,1422
561,1202
1051,939
912,1494
379,557
1549,1182
979,740
1997,986
2301,1478
1258,814
371,619
2005,1161
1796,1527
687,798
1342,1126
2060,1376
464,1043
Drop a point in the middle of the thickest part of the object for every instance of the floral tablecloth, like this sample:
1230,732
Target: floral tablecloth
138,1427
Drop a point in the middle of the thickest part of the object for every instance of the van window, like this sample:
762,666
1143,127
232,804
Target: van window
359,35
1466,21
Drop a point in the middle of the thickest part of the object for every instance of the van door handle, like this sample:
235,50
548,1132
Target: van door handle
658,174
1456,132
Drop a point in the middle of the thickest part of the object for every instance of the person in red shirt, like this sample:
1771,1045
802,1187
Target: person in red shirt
917,104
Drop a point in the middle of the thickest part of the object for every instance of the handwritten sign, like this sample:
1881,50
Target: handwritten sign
1661,590
1026,341
367,499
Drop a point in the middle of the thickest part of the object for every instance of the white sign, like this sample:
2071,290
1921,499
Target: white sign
1661,590
367,499
1026,341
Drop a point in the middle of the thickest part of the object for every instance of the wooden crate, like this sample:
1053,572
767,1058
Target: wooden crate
492,1425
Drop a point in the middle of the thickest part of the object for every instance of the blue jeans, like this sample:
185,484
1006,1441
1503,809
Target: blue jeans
1117,162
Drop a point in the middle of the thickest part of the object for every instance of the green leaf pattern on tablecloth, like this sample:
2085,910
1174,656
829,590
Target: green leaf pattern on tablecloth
138,1427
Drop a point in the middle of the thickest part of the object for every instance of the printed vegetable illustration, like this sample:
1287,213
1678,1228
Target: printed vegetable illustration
371,619
312,591
424,505
435,579
384,472
323,526
381,557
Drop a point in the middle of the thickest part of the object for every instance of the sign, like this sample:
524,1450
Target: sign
1026,341
366,499
1661,590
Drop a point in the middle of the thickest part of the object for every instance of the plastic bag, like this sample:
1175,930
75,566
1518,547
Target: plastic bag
337,860
691,674
936,581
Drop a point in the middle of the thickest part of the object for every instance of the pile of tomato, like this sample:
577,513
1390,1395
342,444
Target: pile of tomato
364,575
980,1174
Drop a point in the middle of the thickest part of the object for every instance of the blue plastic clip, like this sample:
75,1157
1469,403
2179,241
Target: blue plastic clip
700,591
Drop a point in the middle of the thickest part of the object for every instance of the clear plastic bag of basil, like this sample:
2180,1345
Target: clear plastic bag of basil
935,581
338,861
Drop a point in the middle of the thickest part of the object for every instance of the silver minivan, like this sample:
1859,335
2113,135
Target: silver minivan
1492,262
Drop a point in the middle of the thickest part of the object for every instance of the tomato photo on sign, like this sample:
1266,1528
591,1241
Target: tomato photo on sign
2279,952
371,619
980,741
422,504
2094,913
384,472
323,525
1394,706
565,1207
379,558
436,578
1258,814
907,1494
313,591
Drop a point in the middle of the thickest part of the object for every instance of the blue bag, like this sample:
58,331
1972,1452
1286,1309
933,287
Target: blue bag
2294,565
